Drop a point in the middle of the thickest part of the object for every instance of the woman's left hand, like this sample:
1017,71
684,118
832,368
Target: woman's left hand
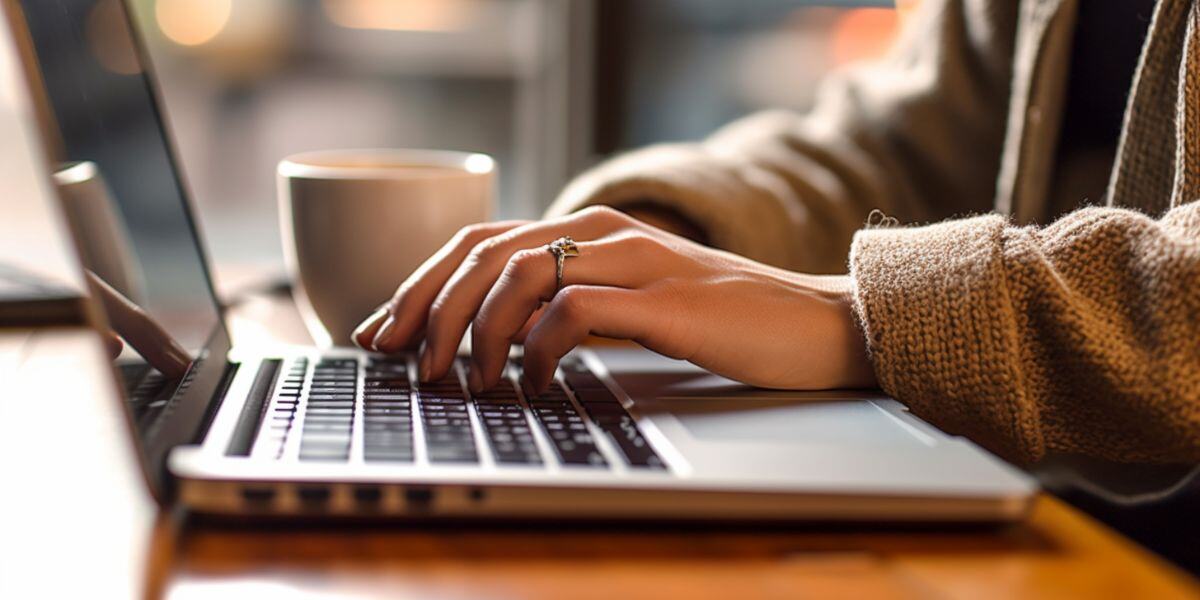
738,318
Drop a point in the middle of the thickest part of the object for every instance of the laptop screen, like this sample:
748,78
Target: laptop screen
128,206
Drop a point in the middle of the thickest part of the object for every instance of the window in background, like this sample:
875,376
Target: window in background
247,82
546,86
678,69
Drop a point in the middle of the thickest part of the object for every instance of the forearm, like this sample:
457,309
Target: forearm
1080,337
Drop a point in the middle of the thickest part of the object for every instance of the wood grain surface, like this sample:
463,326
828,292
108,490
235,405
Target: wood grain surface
1058,553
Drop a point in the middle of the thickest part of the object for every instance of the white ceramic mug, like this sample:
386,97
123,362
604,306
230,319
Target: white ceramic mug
356,223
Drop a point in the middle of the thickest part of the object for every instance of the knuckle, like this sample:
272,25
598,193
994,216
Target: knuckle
483,251
643,243
469,235
403,291
435,320
602,213
569,303
523,264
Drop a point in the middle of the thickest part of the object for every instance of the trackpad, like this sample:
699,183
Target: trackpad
715,409
835,422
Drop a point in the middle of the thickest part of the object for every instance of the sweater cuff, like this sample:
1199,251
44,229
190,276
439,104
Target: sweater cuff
935,307
736,204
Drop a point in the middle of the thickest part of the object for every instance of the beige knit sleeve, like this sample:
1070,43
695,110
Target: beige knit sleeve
1083,336
917,134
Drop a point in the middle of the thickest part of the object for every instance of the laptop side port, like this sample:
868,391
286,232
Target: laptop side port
257,496
419,499
368,496
313,496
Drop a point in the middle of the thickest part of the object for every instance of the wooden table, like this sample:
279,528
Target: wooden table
1059,553
112,531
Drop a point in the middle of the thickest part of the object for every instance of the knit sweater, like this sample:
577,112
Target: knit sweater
1078,335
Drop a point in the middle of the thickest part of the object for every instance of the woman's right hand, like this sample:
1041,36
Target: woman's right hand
733,316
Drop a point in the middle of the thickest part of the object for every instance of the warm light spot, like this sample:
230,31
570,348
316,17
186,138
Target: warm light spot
401,15
907,7
863,33
192,22
479,163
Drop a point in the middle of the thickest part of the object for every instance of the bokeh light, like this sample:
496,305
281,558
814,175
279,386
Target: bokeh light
863,33
192,22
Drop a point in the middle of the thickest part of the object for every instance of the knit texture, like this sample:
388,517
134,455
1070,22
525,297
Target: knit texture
1077,337
1082,335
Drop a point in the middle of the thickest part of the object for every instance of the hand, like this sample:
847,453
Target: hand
741,319
141,331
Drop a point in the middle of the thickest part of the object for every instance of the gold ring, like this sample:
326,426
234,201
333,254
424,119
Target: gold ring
562,248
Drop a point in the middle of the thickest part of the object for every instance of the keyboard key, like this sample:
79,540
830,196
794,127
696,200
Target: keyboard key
623,432
500,410
570,451
387,455
448,433
329,413
596,396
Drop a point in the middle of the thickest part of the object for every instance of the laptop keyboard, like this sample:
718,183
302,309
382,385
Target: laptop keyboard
321,404
565,428
149,394
507,430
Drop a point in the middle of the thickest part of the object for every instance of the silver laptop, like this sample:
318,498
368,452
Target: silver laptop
623,433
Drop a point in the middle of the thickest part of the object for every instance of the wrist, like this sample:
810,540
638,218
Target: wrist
861,372
856,368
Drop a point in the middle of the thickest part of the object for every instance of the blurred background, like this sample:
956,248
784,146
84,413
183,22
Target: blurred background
547,87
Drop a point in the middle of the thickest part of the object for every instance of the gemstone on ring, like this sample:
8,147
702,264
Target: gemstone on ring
562,249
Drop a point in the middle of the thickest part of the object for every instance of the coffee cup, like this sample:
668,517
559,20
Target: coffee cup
356,223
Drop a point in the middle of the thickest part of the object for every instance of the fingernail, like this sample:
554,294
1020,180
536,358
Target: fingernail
474,379
423,369
367,322
382,336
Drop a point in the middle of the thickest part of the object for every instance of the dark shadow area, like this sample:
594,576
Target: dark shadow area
1154,505
521,540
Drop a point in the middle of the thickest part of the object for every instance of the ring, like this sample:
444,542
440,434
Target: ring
562,248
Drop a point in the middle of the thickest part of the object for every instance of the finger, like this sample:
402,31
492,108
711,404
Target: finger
576,312
529,323
112,343
141,331
364,334
529,279
397,321
459,300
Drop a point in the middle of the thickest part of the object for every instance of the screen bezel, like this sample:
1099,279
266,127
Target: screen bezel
187,421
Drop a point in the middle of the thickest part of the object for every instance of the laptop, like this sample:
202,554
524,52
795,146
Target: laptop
338,432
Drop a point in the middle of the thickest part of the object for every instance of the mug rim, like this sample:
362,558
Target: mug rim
307,165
